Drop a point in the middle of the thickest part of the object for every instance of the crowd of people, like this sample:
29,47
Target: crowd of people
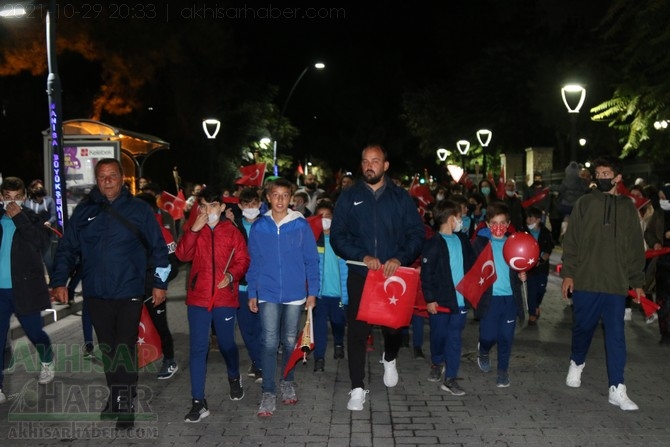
258,257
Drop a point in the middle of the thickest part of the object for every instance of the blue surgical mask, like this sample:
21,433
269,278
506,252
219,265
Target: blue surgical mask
486,190
466,223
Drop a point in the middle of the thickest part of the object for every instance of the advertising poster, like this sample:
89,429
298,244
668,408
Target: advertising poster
80,160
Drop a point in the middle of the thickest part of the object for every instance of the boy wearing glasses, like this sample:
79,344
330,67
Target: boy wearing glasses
603,256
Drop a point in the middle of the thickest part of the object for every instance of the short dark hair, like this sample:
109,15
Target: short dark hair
376,146
302,194
108,161
149,198
279,183
497,208
609,161
248,195
535,212
210,195
324,205
152,187
13,184
444,209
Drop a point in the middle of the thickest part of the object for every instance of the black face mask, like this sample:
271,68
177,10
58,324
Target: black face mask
40,193
310,186
605,184
471,207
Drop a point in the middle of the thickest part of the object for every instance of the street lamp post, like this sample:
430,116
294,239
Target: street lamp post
318,66
55,108
484,137
463,147
569,93
211,127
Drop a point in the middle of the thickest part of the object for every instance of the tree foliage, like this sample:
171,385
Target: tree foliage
642,94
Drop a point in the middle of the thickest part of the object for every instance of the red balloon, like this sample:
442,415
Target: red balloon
521,251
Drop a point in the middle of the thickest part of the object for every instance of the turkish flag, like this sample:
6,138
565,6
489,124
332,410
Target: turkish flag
653,253
648,306
638,201
252,175
173,204
501,184
149,347
467,181
536,198
304,344
316,224
420,306
480,277
422,193
389,301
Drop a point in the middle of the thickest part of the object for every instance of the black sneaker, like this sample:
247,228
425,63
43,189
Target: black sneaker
319,365
198,411
452,386
168,369
418,354
253,370
236,389
339,352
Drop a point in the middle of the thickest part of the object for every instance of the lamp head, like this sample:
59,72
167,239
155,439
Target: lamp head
463,146
442,154
484,136
573,91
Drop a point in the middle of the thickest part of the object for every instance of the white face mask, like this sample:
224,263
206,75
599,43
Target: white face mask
440,197
509,193
665,205
326,223
532,226
251,213
212,218
18,202
459,226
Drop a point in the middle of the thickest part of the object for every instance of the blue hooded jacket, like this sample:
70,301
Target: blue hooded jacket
284,260
114,260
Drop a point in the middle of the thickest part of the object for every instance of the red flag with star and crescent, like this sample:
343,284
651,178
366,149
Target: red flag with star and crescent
389,301
480,277
149,347
252,175
174,205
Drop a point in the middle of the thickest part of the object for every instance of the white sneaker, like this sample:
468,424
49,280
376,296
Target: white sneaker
652,318
574,379
3,398
357,399
619,398
390,373
47,374
628,315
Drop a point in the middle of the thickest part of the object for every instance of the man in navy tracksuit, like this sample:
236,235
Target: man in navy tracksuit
375,222
114,261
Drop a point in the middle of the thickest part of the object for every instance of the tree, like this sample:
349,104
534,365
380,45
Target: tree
642,94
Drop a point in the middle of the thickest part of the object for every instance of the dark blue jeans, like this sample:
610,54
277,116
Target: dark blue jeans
32,326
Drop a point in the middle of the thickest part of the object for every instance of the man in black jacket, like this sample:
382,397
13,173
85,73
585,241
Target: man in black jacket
117,238
23,288
375,222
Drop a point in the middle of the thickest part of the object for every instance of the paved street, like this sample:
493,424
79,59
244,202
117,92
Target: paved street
538,409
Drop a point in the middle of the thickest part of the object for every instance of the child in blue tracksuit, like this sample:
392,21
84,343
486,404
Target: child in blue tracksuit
444,260
501,304
538,275
333,292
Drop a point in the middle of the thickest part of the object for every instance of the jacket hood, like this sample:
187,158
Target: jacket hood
291,216
572,169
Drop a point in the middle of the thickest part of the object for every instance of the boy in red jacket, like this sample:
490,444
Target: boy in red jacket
220,259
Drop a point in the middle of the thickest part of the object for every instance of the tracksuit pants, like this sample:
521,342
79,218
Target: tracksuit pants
497,326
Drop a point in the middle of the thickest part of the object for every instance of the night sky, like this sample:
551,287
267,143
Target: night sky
495,63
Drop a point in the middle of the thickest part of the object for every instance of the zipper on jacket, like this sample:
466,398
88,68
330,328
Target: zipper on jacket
281,283
213,264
